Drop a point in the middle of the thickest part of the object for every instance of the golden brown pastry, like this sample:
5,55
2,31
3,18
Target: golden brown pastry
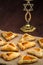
9,35
9,47
36,51
26,59
10,55
25,45
27,37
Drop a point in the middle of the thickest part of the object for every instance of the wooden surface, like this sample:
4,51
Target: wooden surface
12,16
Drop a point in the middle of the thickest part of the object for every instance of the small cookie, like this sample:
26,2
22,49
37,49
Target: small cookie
9,35
25,45
9,47
27,59
36,51
28,37
10,55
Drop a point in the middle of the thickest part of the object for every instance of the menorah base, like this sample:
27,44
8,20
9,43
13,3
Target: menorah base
27,28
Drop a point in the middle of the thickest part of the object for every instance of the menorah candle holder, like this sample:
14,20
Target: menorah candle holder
28,27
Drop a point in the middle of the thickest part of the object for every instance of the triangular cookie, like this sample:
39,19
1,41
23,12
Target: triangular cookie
9,47
9,35
27,37
27,59
10,55
36,51
25,45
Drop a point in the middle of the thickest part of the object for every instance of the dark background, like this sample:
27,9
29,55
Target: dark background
12,16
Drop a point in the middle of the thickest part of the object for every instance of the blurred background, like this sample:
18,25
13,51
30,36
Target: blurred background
12,16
